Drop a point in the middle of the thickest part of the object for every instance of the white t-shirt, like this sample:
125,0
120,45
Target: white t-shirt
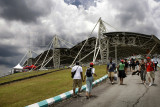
93,71
78,71
129,62
137,68
155,60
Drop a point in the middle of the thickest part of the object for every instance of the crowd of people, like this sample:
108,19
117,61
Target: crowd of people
144,68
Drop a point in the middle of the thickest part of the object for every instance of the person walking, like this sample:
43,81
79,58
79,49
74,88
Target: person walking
133,64
137,67
150,71
126,66
89,79
130,65
155,62
143,71
110,69
77,78
121,71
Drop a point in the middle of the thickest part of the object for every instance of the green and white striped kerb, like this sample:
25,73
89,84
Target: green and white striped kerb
47,102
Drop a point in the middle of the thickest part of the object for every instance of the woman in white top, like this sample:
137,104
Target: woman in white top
89,74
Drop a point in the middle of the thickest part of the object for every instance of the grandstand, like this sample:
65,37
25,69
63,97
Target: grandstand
98,49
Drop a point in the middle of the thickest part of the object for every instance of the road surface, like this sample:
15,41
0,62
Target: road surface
132,94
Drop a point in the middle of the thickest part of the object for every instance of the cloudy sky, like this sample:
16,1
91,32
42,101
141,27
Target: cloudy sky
28,22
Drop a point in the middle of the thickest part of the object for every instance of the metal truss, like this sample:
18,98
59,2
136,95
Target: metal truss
103,42
29,62
56,52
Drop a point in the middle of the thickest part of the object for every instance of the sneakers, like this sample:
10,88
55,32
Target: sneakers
112,83
74,96
79,95
150,84
87,97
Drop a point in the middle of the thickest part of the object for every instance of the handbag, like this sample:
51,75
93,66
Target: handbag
73,73
115,76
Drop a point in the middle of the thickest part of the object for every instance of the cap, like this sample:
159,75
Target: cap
91,64
148,58
122,60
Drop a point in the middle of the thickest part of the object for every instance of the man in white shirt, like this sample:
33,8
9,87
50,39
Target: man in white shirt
155,61
77,78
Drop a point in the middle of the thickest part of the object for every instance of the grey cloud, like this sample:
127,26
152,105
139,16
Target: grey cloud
6,63
130,12
8,50
10,62
151,30
42,40
85,3
6,35
23,10
157,0
134,16
9,55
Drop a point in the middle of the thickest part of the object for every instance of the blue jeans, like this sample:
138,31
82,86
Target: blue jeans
89,81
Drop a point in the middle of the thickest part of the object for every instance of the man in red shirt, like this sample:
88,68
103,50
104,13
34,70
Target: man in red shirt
150,71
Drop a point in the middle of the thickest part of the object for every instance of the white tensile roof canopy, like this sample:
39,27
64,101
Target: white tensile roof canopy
18,67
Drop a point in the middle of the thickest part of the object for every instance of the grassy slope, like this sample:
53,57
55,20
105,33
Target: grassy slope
22,75
33,90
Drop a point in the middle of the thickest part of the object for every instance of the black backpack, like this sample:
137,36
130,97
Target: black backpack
89,72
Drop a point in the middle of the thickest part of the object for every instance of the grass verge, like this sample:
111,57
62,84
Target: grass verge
33,90
23,75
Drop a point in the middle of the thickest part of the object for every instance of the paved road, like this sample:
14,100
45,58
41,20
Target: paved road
132,94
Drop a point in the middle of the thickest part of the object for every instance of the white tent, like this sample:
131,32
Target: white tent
18,68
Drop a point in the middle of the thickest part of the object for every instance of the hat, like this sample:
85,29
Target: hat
122,60
148,58
91,64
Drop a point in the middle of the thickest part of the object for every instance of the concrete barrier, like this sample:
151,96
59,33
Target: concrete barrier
47,102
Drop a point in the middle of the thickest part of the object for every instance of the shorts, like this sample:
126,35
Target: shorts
151,74
121,74
77,82
143,75
89,81
110,74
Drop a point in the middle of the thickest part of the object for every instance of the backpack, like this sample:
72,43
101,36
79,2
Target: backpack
89,72
151,64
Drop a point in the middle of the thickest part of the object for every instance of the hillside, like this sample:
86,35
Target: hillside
33,90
